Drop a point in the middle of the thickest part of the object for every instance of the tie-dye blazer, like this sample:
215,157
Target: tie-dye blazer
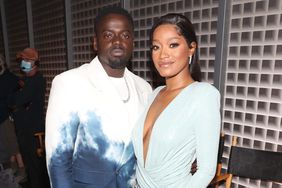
88,129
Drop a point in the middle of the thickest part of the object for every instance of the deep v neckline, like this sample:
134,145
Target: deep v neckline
157,119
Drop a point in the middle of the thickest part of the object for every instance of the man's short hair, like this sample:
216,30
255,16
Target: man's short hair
112,10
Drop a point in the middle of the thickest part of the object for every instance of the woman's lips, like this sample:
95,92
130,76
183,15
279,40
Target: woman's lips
165,64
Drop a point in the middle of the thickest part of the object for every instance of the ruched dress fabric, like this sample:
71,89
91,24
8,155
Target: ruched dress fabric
188,128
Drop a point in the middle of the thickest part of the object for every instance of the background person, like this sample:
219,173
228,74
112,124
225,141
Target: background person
28,115
9,148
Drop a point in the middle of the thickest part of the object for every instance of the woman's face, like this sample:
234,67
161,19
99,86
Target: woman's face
170,51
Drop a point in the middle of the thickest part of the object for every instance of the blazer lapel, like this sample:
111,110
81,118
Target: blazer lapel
112,104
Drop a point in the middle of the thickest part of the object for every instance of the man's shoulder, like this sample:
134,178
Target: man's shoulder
73,73
72,78
9,75
140,82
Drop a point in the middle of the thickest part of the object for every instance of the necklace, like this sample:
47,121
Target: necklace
128,91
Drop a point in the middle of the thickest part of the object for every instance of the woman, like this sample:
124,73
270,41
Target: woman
182,121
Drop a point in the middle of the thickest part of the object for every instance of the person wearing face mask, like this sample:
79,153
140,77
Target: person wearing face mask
28,115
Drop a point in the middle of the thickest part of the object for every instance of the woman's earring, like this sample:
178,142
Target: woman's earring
190,60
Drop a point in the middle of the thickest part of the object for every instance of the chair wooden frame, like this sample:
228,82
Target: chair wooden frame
41,138
219,177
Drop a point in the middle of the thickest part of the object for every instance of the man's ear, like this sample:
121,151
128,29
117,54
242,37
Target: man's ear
95,43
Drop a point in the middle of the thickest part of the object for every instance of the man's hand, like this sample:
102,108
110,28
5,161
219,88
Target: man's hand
21,83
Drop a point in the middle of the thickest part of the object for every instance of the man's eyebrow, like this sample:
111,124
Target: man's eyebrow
111,30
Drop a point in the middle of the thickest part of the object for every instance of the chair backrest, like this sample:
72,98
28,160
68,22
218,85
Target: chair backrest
255,164
219,177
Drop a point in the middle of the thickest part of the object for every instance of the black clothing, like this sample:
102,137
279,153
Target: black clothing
28,115
28,104
8,85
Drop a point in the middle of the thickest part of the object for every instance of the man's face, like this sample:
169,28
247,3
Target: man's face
114,41
28,67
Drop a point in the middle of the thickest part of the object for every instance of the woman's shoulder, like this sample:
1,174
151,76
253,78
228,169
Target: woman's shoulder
155,93
157,89
205,88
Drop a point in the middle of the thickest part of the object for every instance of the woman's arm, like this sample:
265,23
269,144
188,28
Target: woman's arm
207,130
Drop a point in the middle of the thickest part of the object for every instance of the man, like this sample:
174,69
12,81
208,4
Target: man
7,177
28,115
92,110
8,140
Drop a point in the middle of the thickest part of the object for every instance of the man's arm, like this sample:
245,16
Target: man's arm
61,131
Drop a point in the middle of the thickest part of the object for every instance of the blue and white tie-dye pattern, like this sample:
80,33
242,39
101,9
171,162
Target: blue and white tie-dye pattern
88,129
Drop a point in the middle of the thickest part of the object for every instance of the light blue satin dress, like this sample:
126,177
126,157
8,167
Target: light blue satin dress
188,128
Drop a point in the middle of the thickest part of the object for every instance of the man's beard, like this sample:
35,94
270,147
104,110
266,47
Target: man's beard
118,63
